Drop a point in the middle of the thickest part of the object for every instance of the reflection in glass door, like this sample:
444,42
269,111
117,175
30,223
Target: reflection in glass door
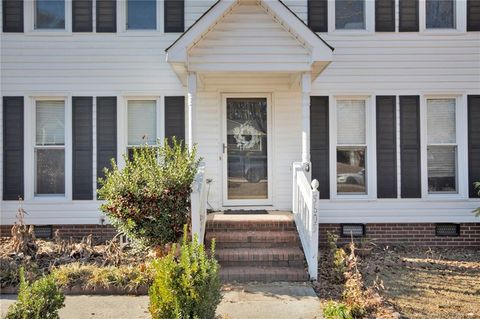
247,149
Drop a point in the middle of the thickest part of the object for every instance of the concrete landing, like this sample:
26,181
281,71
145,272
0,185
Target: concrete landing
266,301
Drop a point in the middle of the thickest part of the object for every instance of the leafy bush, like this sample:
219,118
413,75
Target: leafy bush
149,199
185,286
336,310
41,299
477,211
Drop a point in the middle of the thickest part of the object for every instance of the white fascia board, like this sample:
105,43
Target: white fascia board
320,50
178,52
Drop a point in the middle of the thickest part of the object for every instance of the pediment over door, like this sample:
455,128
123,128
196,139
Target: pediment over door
249,36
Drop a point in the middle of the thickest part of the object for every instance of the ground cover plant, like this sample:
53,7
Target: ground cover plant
149,199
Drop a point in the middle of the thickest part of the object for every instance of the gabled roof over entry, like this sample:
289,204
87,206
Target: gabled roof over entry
249,36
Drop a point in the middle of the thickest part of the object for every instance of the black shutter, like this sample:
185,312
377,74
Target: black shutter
82,148
82,15
410,147
12,15
319,143
106,15
175,117
386,147
174,15
318,15
385,15
106,133
473,143
473,15
408,15
13,111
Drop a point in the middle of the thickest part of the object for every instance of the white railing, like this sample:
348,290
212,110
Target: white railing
305,211
198,202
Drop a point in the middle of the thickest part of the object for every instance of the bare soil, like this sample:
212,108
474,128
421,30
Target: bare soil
416,282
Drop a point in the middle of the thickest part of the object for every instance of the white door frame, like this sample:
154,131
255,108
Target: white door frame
246,202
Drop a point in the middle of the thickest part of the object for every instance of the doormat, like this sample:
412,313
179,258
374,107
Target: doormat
246,212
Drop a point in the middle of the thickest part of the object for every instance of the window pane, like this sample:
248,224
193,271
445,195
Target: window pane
141,122
50,123
50,14
442,168
441,121
349,14
351,171
50,171
142,14
351,122
440,14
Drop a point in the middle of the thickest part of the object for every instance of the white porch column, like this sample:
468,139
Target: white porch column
191,108
306,86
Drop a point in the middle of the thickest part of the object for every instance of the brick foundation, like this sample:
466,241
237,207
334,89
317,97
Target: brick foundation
386,234
409,235
99,232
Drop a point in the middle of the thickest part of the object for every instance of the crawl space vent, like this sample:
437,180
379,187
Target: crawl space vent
42,231
447,230
355,230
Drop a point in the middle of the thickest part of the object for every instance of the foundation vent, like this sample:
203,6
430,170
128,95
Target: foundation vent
42,231
355,230
447,230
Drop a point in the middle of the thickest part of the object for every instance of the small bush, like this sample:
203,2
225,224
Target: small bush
336,310
187,286
477,187
149,199
41,299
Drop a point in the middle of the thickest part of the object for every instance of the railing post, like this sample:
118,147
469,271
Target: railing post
195,212
313,266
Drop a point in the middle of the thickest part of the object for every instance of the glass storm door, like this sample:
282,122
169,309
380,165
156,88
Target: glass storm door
246,143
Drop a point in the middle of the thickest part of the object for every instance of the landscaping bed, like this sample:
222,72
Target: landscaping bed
409,282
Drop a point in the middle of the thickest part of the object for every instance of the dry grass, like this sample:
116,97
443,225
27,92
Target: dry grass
425,283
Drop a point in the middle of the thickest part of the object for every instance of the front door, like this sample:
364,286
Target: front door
246,144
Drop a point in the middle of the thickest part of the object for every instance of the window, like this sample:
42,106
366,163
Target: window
350,14
141,123
50,14
50,148
440,14
441,146
141,14
351,147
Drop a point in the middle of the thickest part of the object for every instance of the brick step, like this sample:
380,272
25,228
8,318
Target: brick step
235,225
263,274
281,257
253,239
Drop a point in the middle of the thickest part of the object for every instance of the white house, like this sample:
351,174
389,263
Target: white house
378,100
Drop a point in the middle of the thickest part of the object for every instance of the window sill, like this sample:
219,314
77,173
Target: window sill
49,33
349,32
441,32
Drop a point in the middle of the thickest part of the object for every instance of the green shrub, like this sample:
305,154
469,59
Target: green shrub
477,187
336,310
187,286
149,199
41,299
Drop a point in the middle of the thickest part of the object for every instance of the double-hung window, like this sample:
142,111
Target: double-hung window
351,148
141,14
49,147
142,126
440,14
441,146
49,14
350,15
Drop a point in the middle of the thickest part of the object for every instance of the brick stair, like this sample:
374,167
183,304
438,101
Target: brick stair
257,247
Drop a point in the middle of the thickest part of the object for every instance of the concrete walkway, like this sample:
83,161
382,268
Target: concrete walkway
275,301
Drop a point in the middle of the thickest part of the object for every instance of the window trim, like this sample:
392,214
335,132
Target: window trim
122,20
370,145
460,19
461,144
369,19
122,122
30,141
30,18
